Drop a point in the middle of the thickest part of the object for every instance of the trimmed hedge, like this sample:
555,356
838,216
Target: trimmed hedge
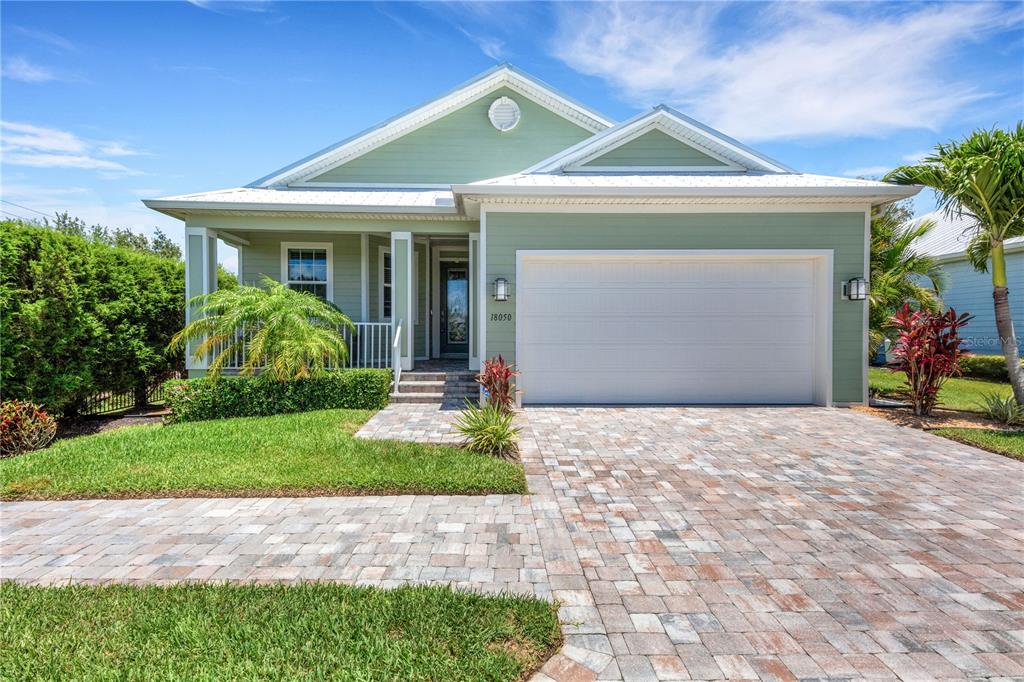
992,367
224,397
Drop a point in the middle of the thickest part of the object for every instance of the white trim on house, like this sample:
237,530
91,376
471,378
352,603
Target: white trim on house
492,206
381,251
823,282
320,184
233,239
435,301
327,246
364,277
474,267
482,291
501,76
866,323
671,122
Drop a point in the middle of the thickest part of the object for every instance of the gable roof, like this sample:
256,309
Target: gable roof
948,239
503,75
733,154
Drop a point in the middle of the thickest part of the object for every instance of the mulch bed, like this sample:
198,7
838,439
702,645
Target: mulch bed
84,426
939,419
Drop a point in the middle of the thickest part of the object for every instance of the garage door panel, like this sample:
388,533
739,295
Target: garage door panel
659,332
667,329
682,358
692,387
670,302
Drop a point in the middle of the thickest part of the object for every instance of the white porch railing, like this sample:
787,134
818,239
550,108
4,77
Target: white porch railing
396,356
370,345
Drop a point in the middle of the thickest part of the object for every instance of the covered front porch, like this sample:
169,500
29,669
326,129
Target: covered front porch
410,293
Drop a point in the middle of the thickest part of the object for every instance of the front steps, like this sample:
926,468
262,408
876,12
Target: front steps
436,387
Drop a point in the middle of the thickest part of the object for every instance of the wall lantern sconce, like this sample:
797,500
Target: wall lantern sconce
856,289
501,289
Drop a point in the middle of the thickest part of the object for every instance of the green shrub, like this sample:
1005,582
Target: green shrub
79,317
991,367
225,397
1002,408
489,430
24,428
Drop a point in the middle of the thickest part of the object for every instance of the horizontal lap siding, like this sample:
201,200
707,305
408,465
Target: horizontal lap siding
655,149
263,257
463,146
841,232
970,291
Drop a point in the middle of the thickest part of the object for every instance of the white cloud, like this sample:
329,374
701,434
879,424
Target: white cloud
21,69
51,39
867,172
117,149
37,138
491,47
916,157
25,144
35,160
797,70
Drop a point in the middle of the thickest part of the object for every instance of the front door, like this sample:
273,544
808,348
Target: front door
454,309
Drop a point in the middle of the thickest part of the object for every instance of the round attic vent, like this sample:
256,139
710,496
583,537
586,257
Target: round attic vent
504,114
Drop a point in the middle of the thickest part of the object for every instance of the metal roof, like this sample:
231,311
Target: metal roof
949,238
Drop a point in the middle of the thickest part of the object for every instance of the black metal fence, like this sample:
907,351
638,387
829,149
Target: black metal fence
112,402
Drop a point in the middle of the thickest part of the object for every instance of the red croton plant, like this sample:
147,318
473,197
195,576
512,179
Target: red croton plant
496,377
928,352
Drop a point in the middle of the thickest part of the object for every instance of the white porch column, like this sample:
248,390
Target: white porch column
402,293
474,299
200,278
364,277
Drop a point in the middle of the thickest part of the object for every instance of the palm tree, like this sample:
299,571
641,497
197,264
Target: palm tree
898,273
981,178
294,333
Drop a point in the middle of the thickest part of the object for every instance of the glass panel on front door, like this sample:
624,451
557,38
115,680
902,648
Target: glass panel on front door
455,320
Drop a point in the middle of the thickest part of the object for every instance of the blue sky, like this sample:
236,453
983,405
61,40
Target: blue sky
106,103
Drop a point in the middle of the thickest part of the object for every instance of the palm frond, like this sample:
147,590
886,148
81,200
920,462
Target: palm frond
289,334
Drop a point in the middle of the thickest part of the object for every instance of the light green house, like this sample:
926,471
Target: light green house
650,261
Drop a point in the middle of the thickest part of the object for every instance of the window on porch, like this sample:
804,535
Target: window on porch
385,295
307,270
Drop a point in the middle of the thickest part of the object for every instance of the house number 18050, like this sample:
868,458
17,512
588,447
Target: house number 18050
501,317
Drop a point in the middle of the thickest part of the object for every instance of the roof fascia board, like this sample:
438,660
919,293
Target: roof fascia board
864,193
417,117
163,206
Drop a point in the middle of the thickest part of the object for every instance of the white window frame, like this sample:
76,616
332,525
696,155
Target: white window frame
327,246
381,252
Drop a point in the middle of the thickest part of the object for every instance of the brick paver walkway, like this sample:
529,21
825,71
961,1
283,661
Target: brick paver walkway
700,543
424,423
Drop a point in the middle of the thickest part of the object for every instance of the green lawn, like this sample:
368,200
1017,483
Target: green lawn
957,393
1009,443
300,454
308,631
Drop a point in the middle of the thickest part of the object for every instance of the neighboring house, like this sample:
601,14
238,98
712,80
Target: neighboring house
968,291
650,261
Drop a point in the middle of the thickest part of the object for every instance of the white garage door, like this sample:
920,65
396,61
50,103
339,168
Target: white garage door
664,328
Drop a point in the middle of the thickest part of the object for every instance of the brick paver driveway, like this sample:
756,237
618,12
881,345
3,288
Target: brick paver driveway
780,544
682,542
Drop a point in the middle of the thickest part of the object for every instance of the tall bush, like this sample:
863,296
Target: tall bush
928,351
79,317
